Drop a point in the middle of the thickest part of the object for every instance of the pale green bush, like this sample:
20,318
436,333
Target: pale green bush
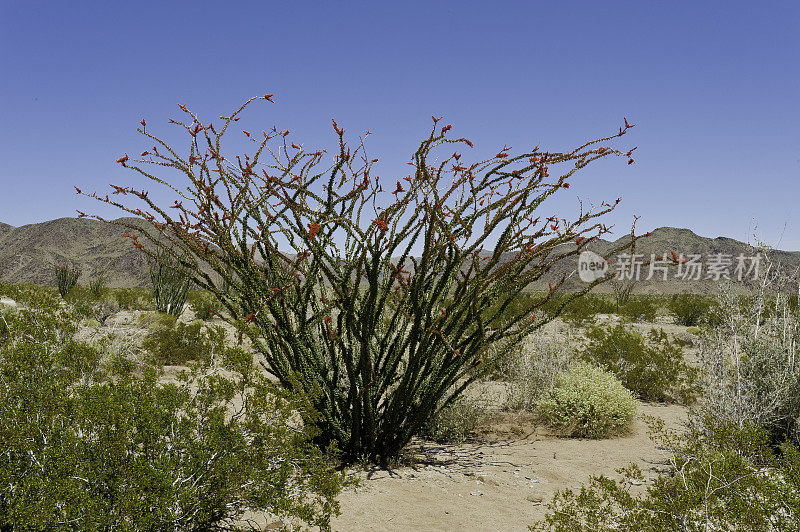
588,402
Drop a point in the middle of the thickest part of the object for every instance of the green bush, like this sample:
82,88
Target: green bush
653,368
455,422
204,304
85,304
174,342
580,310
638,308
726,477
689,309
88,444
132,298
588,402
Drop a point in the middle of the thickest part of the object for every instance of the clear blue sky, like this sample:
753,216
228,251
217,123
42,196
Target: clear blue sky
714,88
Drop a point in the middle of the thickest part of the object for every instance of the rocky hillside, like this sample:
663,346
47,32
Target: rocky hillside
28,253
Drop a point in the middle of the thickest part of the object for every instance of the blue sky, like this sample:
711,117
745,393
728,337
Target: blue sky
712,86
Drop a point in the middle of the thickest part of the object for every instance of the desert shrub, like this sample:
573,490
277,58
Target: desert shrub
204,304
132,298
99,311
583,309
638,308
455,422
587,402
578,310
66,277
84,303
88,444
317,311
689,309
653,368
174,342
727,477
532,368
750,358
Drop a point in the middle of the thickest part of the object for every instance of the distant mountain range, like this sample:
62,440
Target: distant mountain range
28,254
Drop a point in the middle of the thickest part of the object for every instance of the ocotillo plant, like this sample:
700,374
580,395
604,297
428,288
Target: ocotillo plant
66,277
380,347
97,285
170,284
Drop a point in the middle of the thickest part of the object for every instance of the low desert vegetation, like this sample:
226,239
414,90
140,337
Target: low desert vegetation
653,367
94,441
690,309
174,342
205,306
458,421
532,369
587,402
724,477
638,308
738,466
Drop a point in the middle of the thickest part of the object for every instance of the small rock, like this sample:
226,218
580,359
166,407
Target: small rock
537,499
476,493
487,480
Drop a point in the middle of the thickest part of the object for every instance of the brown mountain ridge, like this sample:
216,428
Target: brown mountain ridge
28,254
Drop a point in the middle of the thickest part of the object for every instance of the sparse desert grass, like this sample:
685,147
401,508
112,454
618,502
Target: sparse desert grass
539,377
533,367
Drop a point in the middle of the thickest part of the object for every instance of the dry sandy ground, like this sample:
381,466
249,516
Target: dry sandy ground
503,483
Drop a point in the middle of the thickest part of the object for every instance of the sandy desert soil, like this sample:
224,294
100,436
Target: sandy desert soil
502,483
